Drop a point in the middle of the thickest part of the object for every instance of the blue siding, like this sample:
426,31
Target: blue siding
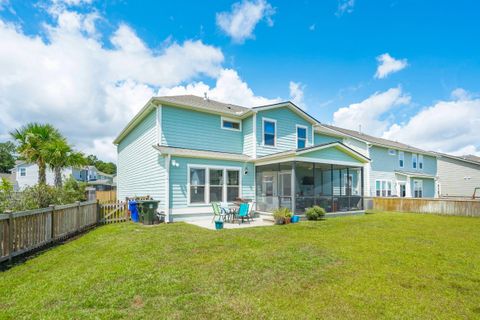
382,161
286,130
179,177
197,130
248,137
322,139
428,187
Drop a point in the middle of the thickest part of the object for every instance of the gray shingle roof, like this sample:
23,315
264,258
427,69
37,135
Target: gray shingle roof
471,157
375,140
205,104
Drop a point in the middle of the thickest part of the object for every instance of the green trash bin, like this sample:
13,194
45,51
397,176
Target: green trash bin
148,209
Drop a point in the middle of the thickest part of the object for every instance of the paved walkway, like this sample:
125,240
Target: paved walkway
208,224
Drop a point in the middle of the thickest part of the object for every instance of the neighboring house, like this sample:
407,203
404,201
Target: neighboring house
103,181
395,169
458,176
26,174
187,152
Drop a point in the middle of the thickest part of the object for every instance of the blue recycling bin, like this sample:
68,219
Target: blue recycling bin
132,207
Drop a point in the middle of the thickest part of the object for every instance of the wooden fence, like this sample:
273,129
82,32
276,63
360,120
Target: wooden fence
25,231
421,205
106,196
114,212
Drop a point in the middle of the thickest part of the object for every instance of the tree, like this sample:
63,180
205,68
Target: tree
32,139
105,167
58,154
7,156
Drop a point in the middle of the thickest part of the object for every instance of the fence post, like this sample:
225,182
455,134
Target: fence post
10,235
126,211
52,222
77,216
98,211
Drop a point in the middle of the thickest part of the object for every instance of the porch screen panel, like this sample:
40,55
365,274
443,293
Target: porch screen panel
216,185
197,185
233,185
304,185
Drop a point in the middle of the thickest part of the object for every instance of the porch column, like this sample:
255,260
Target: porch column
293,187
362,191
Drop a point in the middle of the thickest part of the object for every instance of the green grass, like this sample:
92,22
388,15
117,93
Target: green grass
380,265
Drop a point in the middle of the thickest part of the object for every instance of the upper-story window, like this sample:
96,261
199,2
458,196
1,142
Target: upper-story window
414,161
23,172
301,136
269,132
420,161
401,159
231,124
391,152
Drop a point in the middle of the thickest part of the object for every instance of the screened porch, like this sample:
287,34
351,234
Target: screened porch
299,185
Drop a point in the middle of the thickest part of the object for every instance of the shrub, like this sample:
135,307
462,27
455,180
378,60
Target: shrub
72,191
281,213
315,213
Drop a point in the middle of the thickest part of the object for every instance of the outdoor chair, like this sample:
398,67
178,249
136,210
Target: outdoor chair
251,211
243,213
217,212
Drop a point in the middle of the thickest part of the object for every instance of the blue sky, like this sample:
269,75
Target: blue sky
323,55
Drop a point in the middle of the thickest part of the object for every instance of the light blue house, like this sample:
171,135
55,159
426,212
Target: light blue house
188,151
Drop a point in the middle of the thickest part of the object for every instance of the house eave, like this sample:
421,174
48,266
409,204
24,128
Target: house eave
292,107
204,154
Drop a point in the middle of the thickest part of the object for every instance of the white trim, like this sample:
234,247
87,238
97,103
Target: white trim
420,161
339,162
292,107
207,181
167,187
159,125
387,181
296,134
205,154
222,119
255,135
313,136
392,152
263,132
20,172
415,156
420,183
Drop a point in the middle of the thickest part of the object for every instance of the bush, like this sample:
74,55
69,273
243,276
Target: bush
280,214
315,213
72,191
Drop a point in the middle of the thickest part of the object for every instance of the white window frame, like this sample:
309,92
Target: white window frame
414,161
392,152
383,187
401,159
24,170
222,119
420,183
263,132
207,182
296,134
420,162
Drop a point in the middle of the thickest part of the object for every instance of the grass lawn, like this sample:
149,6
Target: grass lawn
378,265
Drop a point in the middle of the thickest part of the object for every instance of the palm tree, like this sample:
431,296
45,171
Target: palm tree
58,155
31,140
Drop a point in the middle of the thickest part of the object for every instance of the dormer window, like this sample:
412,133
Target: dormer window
269,132
231,124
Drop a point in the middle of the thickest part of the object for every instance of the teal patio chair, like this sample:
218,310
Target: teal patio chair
243,213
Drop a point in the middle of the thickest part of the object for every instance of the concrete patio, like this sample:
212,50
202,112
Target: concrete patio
208,224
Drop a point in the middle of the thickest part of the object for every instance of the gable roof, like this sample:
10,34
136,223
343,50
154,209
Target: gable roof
203,104
372,139
292,106
468,158
471,157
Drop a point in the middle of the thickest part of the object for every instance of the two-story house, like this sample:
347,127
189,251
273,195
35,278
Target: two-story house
395,169
187,152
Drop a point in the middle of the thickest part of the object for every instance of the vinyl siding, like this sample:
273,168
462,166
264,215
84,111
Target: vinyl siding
179,177
141,169
248,137
357,145
286,130
428,187
31,177
197,130
382,161
322,139
457,178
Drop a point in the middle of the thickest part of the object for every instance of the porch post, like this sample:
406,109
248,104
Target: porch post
293,187
362,190
331,186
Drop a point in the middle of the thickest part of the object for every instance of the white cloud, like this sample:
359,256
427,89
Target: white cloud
447,126
387,65
345,6
370,113
241,21
88,90
229,87
297,94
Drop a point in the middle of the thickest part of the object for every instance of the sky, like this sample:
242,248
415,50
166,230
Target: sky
404,70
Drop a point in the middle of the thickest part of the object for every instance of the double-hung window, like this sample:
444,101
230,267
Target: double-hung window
301,137
414,161
420,161
23,172
401,159
269,132
213,185
383,188
197,185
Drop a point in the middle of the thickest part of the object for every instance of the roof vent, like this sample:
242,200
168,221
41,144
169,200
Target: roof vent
205,96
